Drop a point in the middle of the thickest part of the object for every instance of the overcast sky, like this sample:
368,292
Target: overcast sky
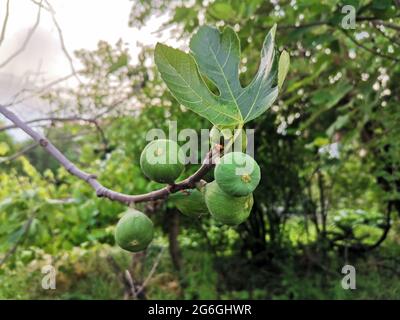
83,22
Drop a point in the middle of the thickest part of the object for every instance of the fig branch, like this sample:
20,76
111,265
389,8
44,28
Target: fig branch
91,179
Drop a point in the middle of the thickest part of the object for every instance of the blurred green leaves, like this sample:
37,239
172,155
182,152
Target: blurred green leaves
4,148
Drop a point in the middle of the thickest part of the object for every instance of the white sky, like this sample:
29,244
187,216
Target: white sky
83,22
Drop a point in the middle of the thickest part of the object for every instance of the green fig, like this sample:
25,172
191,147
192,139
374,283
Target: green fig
226,208
237,174
162,161
190,202
134,231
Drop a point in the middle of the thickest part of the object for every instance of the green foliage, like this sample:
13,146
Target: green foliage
328,149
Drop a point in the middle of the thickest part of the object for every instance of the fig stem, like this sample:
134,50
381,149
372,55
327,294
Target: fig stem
237,132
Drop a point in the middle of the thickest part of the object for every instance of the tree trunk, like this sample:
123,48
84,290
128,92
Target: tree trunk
173,232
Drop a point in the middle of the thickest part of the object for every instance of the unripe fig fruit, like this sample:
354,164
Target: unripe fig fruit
162,161
134,231
190,202
226,208
237,174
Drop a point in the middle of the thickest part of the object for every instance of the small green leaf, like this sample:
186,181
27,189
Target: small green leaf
284,63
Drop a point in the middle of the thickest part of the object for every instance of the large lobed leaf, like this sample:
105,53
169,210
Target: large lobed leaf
216,55
179,71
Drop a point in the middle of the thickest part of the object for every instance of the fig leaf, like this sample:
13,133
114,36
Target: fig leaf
216,55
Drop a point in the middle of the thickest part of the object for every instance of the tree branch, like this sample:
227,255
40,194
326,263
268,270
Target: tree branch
50,119
26,41
386,24
374,52
62,42
91,179
16,99
19,153
329,23
3,29
390,39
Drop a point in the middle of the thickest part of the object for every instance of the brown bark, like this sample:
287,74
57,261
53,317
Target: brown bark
173,232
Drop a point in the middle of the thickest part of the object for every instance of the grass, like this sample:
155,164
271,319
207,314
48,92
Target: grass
87,274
